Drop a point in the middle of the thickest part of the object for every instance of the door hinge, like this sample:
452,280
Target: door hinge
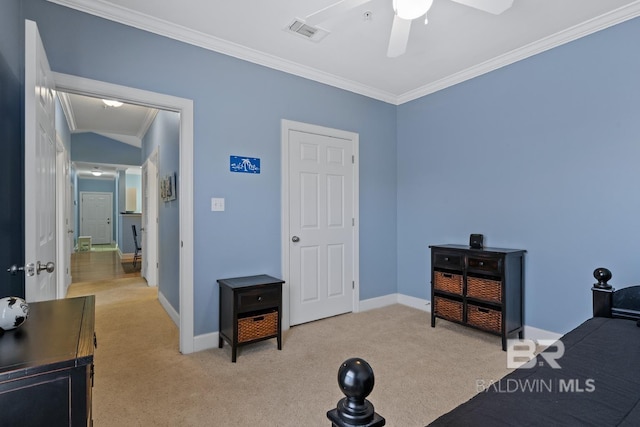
353,159
353,284
353,221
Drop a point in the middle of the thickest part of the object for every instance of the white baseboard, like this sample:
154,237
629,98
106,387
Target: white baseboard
173,314
128,257
530,332
205,341
383,301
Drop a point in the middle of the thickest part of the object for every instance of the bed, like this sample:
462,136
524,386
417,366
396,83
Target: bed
596,382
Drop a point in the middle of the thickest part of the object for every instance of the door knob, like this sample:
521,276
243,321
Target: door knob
48,267
29,269
295,239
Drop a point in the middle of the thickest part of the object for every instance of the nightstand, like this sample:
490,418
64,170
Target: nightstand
250,311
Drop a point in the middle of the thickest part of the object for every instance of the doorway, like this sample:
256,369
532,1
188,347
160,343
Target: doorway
184,107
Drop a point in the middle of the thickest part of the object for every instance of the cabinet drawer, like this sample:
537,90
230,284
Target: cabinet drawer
484,318
447,282
485,264
447,309
484,289
258,326
258,299
446,260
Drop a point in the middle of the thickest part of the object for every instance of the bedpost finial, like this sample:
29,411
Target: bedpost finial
356,380
602,275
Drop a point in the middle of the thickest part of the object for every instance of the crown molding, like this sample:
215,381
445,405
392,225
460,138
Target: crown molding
164,28
146,124
67,109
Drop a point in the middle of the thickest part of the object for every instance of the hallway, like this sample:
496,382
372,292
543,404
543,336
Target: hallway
99,265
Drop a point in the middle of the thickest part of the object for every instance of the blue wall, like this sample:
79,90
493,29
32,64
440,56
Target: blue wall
540,155
12,137
164,133
91,147
238,108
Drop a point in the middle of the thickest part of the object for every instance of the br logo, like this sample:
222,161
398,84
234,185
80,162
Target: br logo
522,353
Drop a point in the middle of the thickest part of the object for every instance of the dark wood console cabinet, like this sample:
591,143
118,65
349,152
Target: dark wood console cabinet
46,365
250,311
480,288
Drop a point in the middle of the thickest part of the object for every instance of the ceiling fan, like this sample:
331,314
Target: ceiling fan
405,11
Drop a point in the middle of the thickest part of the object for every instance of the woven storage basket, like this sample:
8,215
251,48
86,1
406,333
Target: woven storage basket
448,309
447,282
485,289
484,318
259,326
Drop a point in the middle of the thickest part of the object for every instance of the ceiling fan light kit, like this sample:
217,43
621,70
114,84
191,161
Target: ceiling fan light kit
411,9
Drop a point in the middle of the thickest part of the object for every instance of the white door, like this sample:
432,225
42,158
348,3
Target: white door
64,225
150,219
321,225
96,210
39,170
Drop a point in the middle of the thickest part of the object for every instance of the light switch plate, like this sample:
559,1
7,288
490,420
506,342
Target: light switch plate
217,204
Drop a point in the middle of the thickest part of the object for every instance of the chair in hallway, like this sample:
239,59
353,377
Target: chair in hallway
136,255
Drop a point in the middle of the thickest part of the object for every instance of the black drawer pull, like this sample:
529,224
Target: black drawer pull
447,275
483,310
446,258
260,298
481,263
259,318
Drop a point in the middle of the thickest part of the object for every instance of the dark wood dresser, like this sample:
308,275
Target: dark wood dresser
46,365
481,288
250,311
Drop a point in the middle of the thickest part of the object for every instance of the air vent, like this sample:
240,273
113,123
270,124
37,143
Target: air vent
307,31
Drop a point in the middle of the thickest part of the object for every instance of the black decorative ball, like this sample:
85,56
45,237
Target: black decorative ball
602,275
355,378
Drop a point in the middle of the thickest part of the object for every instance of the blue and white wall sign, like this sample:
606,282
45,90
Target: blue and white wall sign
244,164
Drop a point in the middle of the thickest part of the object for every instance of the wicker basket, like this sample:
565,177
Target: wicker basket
259,326
447,282
447,309
484,318
484,289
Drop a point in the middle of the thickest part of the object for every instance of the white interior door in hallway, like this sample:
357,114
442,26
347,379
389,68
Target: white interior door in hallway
321,222
39,170
96,210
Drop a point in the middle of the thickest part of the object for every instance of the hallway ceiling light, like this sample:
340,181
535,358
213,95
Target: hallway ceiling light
112,103
96,171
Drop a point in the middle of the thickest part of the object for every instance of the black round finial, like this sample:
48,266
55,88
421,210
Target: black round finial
356,380
602,275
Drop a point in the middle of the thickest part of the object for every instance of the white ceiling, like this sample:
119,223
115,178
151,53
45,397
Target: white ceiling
127,123
458,43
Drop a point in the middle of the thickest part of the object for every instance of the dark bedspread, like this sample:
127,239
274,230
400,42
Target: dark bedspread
598,384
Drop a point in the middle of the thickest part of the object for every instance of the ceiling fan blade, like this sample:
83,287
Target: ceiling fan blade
399,37
492,6
335,9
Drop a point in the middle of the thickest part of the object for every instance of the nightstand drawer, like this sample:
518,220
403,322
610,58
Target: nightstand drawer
486,265
450,261
258,299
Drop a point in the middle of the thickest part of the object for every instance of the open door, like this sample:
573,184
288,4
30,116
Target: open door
39,170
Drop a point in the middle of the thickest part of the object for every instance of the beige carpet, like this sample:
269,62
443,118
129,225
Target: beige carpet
141,379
